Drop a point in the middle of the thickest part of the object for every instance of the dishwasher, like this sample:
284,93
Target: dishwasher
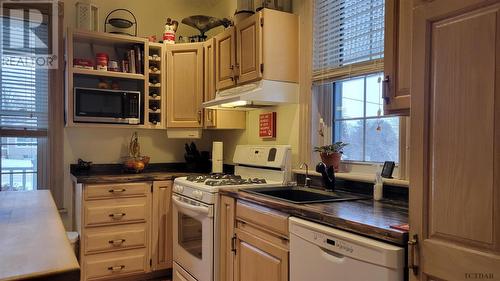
322,253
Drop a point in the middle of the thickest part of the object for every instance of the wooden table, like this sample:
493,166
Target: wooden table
33,242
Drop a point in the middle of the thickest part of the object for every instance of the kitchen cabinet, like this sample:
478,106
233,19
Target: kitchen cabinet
260,243
125,229
225,59
397,56
455,123
161,242
184,85
217,119
227,224
248,51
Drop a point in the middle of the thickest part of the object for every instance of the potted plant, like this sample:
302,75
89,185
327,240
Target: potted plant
331,154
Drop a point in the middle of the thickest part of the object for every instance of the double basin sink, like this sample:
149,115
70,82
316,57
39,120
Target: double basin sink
302,195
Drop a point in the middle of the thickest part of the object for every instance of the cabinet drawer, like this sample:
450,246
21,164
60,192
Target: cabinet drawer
116,211
115,264
98,191
114,238
268,219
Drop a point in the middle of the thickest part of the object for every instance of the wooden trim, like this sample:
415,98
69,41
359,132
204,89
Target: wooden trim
305,11
348,71
56,121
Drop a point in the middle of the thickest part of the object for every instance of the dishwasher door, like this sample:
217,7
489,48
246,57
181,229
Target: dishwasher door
321,253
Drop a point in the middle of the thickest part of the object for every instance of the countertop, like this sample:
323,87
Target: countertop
113,173
366,217
33,242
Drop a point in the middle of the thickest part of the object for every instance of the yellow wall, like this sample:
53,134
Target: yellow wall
287,131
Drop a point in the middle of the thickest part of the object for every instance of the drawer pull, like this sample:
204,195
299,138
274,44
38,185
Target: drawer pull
117,216
116,268
117,242
117,190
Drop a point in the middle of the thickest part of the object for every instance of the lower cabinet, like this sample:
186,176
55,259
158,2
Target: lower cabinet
258,259
254,242
125,229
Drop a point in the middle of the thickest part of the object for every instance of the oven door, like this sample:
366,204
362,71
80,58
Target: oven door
193,237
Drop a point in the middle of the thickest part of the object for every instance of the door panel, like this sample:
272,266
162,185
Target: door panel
257,259
161,248
248,34
225,49
184,85
227,216
455,195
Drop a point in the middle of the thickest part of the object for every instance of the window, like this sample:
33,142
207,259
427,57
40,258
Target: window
359,121
348,52
31,99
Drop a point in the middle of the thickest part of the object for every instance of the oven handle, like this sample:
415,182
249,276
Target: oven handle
197,209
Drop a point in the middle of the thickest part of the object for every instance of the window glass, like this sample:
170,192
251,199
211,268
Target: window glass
359,121
19,164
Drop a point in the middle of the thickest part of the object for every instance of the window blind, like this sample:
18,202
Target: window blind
24,87
347,34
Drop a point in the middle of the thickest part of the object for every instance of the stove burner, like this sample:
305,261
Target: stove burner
203,178
234,181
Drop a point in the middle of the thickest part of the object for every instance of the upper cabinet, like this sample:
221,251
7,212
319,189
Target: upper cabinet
397,57
455,143
249,52
225,58
219,119
184,85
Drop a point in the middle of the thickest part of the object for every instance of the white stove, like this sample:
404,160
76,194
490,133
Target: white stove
195,208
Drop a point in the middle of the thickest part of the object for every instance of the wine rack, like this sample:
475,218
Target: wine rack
156,87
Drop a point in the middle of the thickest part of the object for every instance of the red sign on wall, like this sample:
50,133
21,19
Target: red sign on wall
267,125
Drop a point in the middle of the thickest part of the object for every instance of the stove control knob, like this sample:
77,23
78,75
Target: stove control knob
198,194
178,188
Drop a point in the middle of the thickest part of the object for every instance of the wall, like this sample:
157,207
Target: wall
287,131
110,145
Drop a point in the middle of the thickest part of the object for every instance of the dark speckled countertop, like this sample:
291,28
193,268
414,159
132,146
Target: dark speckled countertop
366,217
113,173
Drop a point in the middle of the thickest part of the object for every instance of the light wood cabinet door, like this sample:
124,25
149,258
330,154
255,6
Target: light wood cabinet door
184,85
227,222
209,81
257,259
225,61
161,247
455,144
249,49
397,56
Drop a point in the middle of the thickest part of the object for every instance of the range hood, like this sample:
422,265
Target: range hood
255,95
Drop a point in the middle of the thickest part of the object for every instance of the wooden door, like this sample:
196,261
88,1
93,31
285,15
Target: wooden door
225,49
397,56
161,241
249,48
455,144
257,259
227,221
184,85
209,80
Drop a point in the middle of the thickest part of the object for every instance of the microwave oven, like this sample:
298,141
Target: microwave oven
106,106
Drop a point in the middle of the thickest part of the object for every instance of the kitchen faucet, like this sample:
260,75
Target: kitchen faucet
307,181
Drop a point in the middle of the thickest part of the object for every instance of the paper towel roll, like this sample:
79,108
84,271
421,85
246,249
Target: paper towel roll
217,157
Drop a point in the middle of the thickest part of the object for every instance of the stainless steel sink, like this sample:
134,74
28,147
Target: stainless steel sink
299,195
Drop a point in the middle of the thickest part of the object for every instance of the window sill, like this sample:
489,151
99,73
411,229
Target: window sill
369,178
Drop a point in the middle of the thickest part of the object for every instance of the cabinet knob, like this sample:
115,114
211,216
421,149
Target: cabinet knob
117,268
117,242
117,216
117,190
